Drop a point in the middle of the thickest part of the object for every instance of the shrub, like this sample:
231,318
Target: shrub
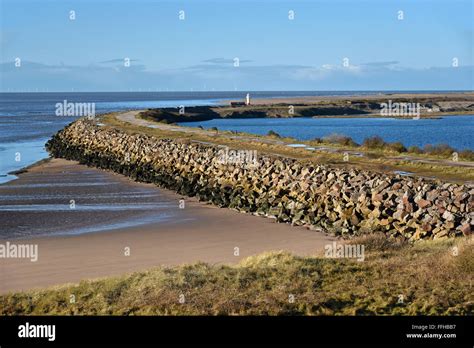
214,129
396,146
272,133
415,149
339,139
374,142
467,155
439,150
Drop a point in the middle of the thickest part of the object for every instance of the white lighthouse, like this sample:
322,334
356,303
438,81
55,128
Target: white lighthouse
247,99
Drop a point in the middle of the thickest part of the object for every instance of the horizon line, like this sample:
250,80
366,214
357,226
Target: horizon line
258,91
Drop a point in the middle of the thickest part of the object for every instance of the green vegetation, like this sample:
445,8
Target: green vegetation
272,133
396,147
396,278
374,142
339,139
377,143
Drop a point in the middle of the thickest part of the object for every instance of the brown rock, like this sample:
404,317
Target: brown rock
448,216
377,197
400,214
397,186
423,203
466,229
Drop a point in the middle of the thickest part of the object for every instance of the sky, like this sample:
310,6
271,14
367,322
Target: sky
226,45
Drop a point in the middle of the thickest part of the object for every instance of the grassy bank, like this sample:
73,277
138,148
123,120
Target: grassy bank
427,278
381,147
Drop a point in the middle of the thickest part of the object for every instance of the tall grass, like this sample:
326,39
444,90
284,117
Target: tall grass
377,143
396,278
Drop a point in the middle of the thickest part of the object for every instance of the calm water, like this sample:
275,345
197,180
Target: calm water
39,205
28,120
456,131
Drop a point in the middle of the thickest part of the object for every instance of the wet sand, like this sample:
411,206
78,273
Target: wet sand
121,215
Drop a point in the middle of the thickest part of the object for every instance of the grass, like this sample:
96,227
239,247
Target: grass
339,139
437,151
396,278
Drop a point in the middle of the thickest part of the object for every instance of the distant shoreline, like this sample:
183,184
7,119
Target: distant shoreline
347,92
423,105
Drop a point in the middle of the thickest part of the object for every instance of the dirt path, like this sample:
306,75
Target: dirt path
131,117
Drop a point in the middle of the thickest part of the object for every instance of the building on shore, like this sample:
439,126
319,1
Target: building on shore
244,103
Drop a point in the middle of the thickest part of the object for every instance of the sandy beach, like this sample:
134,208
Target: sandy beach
135,217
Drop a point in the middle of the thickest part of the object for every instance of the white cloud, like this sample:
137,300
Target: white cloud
111,77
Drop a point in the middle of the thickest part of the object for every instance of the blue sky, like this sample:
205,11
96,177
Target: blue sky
275,53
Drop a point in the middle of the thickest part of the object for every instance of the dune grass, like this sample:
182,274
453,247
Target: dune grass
396,278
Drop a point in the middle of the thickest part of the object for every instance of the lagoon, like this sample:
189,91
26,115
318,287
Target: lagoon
456,131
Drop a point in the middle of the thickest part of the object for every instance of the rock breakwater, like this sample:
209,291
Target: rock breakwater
341,201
